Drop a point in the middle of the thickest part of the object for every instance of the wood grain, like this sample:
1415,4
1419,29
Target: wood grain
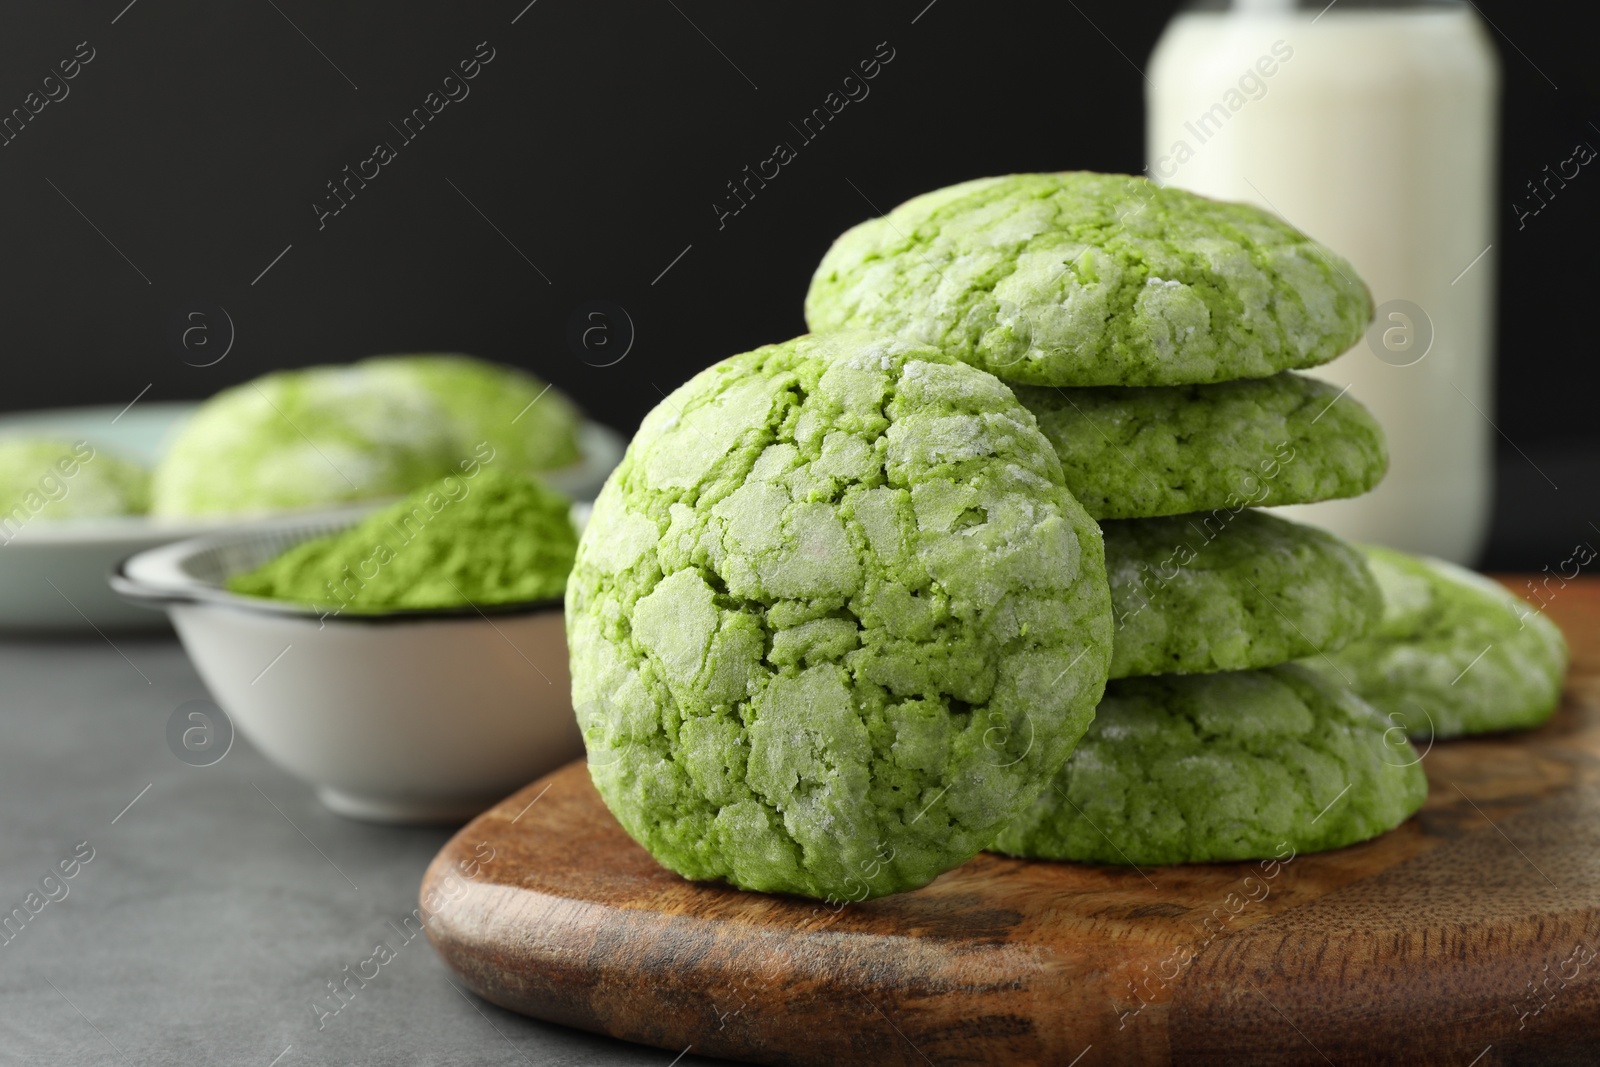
1471,931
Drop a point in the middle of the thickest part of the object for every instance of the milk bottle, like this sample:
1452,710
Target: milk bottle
1372,127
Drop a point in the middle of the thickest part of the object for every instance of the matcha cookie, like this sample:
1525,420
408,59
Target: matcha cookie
378,428
1093,279
46,479
1223,767
531,425
1287,439
1225,592
1455,653
835,619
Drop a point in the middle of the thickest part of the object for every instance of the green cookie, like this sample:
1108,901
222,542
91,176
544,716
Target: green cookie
835,620
45,478
1093,279
1455,653
533,426
378,428
1133,453
1223,767
1226,592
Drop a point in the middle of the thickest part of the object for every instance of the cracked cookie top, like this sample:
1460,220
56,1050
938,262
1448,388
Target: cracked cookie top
1220,767
1455,653
1231,590
381,427
835,619
1143,452
1093,279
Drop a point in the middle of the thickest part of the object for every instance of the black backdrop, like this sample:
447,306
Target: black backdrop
585,161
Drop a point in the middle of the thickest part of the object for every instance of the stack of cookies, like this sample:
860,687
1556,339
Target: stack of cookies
978,563
1154,335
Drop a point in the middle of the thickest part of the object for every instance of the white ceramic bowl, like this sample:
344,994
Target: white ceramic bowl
425,716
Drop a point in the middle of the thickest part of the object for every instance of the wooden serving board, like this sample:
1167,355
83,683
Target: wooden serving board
1467,936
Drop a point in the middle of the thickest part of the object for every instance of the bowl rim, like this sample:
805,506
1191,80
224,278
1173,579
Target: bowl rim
107,531
154,577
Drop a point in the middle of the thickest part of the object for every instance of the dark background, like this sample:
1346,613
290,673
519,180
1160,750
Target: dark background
592,149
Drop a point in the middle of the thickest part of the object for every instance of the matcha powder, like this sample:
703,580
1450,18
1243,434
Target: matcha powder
492,538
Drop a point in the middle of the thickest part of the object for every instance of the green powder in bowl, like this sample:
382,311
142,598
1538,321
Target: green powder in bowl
496,537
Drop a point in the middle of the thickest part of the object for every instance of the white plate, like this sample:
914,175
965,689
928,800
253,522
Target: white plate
53,574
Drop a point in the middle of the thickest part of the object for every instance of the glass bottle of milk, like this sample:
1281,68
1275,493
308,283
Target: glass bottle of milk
1371,126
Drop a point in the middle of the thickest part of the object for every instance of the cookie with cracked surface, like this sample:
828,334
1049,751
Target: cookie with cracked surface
1093,279
49,478
1455,653
1225,591
1137,453
532,425
1219,767
835,620
381,427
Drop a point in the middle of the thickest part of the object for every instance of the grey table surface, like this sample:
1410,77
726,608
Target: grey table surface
219,901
